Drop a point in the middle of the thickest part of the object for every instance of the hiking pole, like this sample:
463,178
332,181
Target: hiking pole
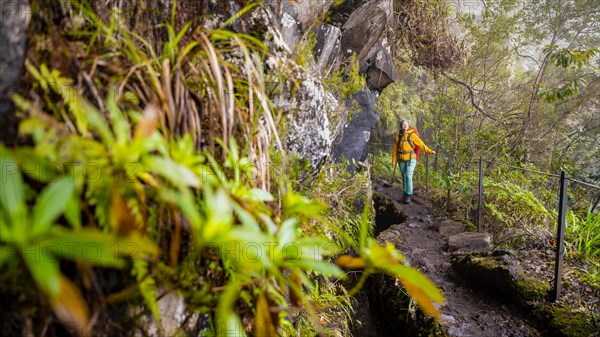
394,173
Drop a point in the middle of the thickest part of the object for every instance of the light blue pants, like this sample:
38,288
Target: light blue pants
407,168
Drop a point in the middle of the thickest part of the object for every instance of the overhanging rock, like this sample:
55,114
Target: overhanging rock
381,71
365,29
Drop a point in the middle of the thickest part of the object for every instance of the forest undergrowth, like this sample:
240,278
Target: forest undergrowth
143,172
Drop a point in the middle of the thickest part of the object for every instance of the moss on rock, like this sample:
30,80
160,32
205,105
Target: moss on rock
531,291
565,321
505,278
401,311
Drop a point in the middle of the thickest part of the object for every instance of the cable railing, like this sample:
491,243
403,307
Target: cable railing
561,220
564,180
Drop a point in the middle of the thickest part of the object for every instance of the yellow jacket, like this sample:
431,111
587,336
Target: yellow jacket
402,147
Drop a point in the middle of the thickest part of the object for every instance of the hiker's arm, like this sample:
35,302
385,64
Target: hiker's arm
395,151
418,142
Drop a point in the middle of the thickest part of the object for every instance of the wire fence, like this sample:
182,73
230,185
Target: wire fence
562,197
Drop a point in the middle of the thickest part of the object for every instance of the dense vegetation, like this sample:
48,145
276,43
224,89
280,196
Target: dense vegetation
147,171
151,166
524,97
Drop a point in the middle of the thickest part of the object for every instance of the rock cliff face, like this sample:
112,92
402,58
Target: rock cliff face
356,134
356,27
365,33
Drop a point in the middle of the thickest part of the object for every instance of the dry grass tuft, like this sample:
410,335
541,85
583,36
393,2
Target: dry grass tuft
422,28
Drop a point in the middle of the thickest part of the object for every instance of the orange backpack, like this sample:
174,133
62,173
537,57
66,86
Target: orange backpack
416,148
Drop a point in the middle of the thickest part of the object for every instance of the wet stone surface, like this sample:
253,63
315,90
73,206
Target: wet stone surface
422,237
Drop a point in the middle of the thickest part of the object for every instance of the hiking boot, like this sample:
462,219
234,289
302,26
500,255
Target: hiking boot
407,200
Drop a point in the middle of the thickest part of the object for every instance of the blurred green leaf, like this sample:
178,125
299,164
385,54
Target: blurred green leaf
287,232
261,195
228,322
50,204
73,210
147,286
11,184
172,171
44,270
97,248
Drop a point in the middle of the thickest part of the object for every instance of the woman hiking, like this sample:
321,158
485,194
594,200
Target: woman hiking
404,152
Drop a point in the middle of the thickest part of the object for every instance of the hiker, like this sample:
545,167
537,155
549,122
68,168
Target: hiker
407,140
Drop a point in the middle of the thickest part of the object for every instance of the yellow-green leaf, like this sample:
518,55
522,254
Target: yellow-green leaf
70,307
424,301
149,122
381,256
264,324
350,262
412,275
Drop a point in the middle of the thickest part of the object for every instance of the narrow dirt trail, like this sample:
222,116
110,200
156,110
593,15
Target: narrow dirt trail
422,238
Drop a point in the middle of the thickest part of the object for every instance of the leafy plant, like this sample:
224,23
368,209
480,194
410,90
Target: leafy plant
566,58
303,50
346,80
583,235
179,137
32,236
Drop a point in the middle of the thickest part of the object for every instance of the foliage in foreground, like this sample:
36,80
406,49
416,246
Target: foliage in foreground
164,176
194,192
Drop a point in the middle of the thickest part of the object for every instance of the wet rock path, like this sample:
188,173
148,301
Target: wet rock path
422,237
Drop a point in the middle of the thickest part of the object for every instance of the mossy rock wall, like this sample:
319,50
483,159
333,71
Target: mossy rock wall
387,214
400,310
503,277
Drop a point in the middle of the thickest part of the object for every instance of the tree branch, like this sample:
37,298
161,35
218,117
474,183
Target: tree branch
472,96
526,56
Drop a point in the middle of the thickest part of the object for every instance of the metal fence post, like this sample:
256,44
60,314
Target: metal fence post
448,195
596,203
480,199
427,174
560,237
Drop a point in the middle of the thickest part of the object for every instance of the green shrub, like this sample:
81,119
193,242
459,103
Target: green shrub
583,235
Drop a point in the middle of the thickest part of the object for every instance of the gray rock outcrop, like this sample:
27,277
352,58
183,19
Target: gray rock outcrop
294,18
381,71
364,28
328,47
307,133
469,242
14,20
356,134
356,27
